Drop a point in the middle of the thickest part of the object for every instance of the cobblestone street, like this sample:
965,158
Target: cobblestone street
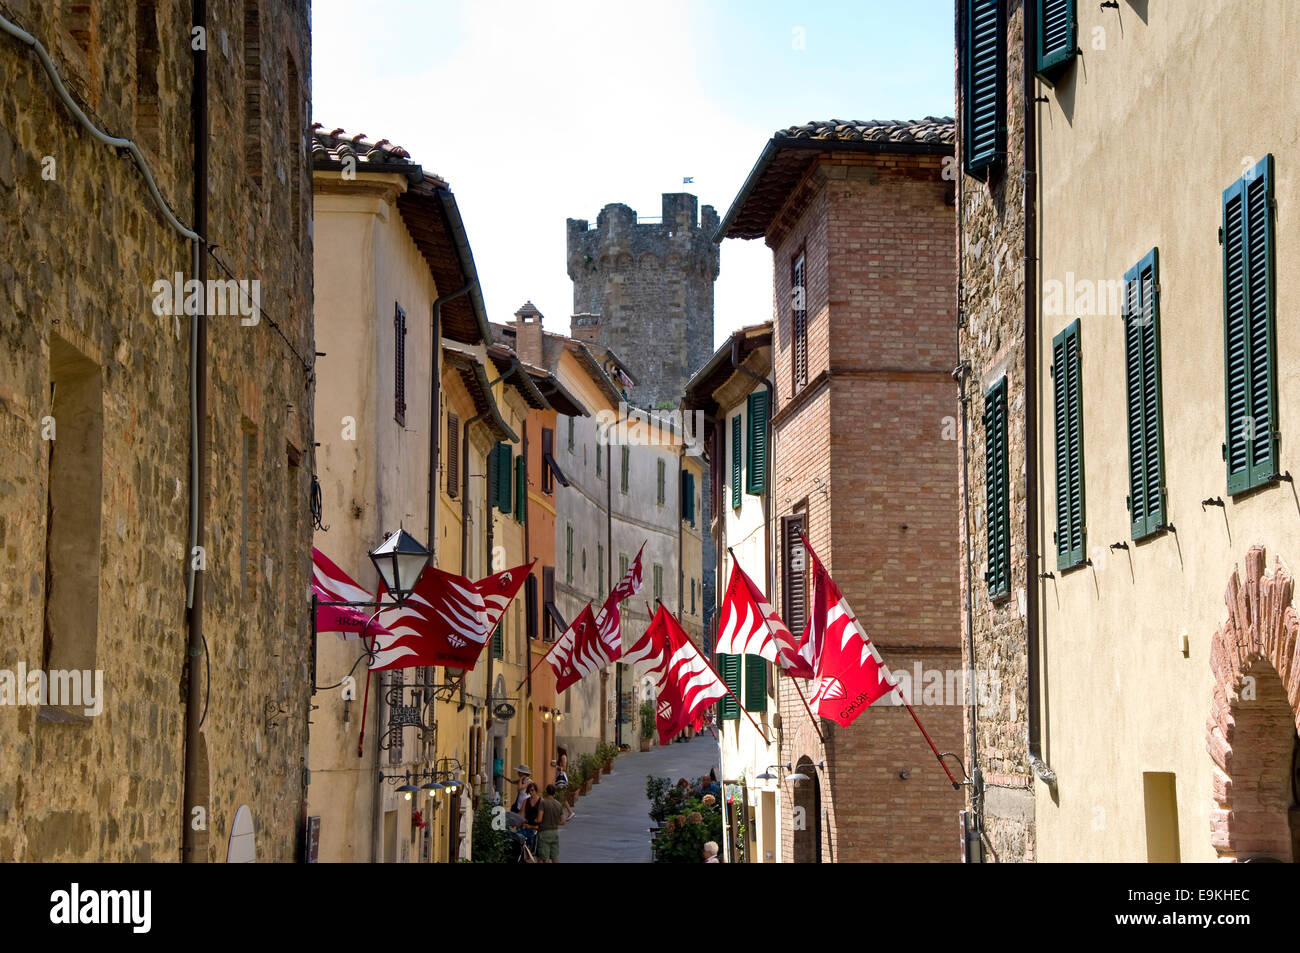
613,821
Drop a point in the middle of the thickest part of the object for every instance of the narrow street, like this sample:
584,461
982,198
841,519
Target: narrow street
613,820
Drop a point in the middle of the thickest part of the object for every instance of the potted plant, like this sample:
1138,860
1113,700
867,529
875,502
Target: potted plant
647,724
590,767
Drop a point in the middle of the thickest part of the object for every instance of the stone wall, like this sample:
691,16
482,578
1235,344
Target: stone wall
79,256
991,292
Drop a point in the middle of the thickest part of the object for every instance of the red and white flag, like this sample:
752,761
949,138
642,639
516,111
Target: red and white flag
499,590
609,619
851,675
687,684
331,584
748,625
578,651
442,622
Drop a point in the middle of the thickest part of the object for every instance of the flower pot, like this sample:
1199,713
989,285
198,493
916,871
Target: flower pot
645,744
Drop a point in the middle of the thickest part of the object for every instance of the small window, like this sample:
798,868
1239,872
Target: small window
661,471
521,489
568,554
570,435
798,323
453,455
756,464
399,365
794,572
997,506
548,449
1147,494
1067,384
627,467
737,454
729,669
659,582
1250,334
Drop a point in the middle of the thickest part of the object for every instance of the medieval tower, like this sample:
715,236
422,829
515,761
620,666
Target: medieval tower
645,290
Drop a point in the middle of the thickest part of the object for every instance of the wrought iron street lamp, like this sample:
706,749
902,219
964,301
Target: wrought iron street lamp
400,560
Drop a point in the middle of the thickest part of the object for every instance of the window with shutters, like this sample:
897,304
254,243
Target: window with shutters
662,471
755,683
659,582
453,456
729,669
627,468
399,365
1056,42
984,86
794,572
1146,462
548,602
622,565
521,489
756,466
692,597
500,477
737,454
568,554
548,448
997,491
798,323
530,602
570,435
1249,327
499,640
688,497
1067,387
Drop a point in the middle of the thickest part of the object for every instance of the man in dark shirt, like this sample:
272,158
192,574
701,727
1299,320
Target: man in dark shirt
548,838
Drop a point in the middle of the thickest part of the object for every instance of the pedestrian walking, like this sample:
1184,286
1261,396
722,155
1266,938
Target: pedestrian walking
561,763
552,819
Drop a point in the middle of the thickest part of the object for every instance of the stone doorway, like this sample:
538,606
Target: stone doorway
807,814
1251,733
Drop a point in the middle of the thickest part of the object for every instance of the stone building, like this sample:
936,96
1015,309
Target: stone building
96,433
1160,346
991,339
644,288
859,218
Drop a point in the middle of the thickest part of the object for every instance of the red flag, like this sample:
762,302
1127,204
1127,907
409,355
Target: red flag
443,622
687,683
609,619
499,590
851,675
748,625
578,651
332,584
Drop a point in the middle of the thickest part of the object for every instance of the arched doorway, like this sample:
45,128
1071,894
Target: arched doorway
1251,732
807,814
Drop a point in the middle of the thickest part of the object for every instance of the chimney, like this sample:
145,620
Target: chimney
528,334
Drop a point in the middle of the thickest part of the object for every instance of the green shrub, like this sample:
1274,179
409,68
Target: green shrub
490,846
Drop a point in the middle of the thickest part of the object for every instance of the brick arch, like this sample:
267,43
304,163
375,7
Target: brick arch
1253,720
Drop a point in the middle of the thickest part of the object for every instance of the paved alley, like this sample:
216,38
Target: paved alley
613,820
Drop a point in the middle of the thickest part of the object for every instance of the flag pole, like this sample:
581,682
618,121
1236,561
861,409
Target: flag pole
816,727
719,677
938,757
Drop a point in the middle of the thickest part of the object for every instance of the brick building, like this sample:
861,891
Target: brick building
96,435
859,218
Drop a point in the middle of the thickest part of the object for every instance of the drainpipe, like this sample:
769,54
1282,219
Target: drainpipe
198,443
528,558
464,515
1033,715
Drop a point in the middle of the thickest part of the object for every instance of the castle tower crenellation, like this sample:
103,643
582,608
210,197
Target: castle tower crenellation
645,289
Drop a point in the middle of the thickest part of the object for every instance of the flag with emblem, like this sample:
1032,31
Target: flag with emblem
748,625
609,619
687,683
578,652
444,621
499,590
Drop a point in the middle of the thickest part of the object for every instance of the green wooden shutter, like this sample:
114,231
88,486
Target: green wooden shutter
501,477
755,683
736,457
1071,536
729,669
1056,37
662,472
997,503
521,488
1146,501
498,639
568,554
984,95
688,497
627,464
756,412
1250,347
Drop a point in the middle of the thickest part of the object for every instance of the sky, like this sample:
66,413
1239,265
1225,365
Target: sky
539,112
